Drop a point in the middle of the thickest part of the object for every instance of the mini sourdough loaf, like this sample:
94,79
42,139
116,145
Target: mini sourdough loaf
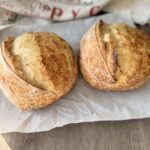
36,69
115,57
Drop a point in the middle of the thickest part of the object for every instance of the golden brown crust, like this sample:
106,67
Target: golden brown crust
57,67
115,57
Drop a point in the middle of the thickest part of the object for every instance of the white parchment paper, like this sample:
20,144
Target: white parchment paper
83,103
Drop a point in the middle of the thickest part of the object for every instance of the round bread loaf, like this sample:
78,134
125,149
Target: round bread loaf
115,57
37,68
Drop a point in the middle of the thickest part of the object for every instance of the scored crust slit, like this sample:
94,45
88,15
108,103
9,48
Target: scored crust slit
115,56
38,68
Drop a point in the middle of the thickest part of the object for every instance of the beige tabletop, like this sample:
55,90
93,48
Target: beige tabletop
122,135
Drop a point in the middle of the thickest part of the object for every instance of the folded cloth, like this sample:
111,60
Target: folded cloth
58,10
139,9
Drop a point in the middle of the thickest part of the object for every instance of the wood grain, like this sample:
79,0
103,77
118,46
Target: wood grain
122,135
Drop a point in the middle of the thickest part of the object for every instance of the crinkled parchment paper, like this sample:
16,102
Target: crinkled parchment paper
83,103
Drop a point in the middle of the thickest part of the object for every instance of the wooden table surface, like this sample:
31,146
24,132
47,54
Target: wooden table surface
119,135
